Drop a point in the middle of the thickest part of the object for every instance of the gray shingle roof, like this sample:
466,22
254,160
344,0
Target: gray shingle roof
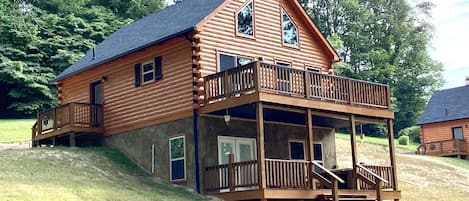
150,30
446,105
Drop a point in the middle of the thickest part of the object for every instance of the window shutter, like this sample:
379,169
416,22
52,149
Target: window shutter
138,74
158,68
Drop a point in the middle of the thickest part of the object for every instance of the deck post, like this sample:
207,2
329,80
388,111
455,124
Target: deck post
309,146
354,151
260,145
257,76
335,190
71,113
392,153
72,140
231,173
379,190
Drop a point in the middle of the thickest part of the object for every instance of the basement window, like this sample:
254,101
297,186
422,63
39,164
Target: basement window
290,32
177,153
245,20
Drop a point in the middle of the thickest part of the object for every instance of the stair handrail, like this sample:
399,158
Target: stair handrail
377,180
372,173
316,164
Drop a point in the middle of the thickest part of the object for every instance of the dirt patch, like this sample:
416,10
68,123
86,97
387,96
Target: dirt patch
16,145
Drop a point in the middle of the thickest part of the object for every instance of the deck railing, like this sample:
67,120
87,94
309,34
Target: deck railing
232,176
279,174
369,180
384,172
68,115
443,147
270,78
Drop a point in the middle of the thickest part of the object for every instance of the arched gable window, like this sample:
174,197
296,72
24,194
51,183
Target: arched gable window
245,20
289,30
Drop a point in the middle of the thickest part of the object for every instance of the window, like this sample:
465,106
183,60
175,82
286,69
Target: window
228,61
457,133
177,154
290,32
318,153
148,72
245,20
297,150
313,69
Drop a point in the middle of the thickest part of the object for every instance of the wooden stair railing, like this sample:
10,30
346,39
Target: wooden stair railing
372,179
333,183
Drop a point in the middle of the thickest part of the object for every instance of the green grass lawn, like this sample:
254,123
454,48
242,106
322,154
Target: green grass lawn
77,174
15,130
380,141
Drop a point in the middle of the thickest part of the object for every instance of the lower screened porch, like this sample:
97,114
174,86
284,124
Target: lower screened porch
291,151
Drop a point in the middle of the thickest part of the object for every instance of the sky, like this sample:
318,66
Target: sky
451,42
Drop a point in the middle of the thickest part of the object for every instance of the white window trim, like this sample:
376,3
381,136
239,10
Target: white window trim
253,21
304,149
148,72
322,152
297,30
176,159
236,139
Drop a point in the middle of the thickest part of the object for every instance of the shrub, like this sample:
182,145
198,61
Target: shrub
413,133
403,140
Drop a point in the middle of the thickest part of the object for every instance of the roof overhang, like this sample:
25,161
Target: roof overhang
170,37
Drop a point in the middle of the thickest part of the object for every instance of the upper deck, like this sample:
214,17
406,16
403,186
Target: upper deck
265,82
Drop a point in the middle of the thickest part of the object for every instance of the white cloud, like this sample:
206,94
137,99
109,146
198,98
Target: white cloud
451,19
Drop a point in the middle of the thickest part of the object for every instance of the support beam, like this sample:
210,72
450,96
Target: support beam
309,145
392,153
354,151
260,145
72,140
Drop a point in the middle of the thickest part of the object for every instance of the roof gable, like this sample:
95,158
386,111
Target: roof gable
168,23
446,105
296,5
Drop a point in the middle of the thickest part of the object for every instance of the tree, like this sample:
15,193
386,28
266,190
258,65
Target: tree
383,41
38,40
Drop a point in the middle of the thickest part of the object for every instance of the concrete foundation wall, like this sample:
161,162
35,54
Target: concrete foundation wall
137,145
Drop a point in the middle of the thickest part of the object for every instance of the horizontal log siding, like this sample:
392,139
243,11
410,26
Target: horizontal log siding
127,107
443,131
218,35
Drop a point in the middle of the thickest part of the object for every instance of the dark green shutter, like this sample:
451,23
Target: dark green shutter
138,74
158,68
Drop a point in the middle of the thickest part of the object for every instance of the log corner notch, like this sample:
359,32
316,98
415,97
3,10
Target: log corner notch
197,80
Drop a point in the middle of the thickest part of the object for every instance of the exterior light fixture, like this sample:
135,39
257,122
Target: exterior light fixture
227,117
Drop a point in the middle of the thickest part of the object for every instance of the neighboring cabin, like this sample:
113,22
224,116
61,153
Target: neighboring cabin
444,125
233,98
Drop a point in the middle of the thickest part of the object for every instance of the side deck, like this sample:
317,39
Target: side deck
444,148
72,119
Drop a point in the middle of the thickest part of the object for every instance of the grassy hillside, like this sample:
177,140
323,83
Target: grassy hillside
15,130
80,174
379,141
421,178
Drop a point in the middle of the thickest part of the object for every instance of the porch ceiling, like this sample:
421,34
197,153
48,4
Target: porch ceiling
249,112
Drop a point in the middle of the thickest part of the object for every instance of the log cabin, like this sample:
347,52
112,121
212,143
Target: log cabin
444,125
233,98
